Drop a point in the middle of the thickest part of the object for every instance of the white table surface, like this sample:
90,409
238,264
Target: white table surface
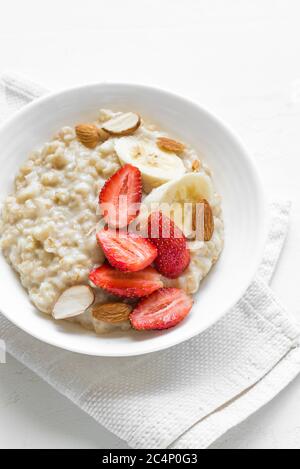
241,59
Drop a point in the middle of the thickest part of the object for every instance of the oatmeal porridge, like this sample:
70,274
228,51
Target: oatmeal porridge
50,223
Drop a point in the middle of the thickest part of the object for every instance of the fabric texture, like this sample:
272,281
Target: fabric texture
189,395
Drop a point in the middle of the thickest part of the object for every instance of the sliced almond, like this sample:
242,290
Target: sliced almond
169,144
88,135
196,165
111,312
74,301
103,135
123,124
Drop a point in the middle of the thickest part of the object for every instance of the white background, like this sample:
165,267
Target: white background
239,58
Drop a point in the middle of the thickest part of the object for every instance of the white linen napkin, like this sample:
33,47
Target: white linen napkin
189,395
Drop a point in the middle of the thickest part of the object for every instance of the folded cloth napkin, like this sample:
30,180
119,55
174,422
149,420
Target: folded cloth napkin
189,395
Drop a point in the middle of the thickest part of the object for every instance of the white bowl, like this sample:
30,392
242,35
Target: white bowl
235,177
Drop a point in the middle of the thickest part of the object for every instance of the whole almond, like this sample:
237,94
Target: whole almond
169,144
88,135
111,312
208,222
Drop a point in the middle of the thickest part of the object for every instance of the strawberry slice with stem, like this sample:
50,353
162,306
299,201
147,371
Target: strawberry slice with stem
121,196
128,285
164,309
125,251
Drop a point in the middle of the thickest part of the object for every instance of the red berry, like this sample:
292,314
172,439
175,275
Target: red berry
163,309
126,251
173,255
121,196
129,285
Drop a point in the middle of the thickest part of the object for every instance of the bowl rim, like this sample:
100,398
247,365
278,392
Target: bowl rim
227,129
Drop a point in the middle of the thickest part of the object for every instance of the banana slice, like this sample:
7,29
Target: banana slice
176,198
157,166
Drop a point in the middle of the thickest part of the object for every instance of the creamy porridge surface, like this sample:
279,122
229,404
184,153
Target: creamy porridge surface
49,222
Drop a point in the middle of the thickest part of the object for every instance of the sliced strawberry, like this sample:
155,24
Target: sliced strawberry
121,196
163,309
173,256
126,251
129,285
